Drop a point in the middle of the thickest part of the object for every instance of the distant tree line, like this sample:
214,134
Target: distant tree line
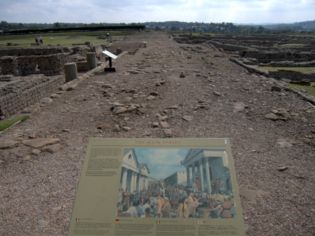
6,27
231,28
307,26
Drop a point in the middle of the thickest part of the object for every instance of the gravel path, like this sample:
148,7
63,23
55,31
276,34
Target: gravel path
202,94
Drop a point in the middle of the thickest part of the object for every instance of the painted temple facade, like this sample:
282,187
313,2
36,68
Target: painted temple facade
207,171
134,175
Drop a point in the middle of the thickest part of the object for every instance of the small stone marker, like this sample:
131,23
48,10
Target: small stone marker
71,72
91,60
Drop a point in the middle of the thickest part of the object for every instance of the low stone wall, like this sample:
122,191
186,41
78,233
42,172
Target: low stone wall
27,65
292,75
32,51
268,56
23,92
8,65
228,47
82,66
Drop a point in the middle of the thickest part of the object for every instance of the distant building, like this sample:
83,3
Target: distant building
178,178
134,175
207,171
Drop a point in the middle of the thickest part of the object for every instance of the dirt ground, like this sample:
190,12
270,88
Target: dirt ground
203,94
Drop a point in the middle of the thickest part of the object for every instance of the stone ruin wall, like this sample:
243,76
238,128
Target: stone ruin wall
48,61
268,56
32,51
29,74
16,93
35,64
23,92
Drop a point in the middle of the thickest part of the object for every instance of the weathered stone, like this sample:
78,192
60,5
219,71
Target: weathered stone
276,88
282,168
27,158
32,136
46,100
126,128
271,116
107,86
71,71
117,128
239,106
42,223
6,144
36,152
150,97
159,83
187,118
122,109
164,124
281,113
40,142
154,94
135,72
155,124
52,148
174,107
147,133
161,118
107,94
284,143
91,60
54,95
168,132
104,126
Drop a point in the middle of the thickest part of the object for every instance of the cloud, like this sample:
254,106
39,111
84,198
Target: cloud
161,162
238,11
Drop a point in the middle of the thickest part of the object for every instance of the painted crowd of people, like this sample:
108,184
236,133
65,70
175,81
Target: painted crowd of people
174,202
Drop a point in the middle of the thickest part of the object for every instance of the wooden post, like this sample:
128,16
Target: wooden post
70,71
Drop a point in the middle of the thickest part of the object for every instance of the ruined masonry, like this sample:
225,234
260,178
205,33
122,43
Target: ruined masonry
30,74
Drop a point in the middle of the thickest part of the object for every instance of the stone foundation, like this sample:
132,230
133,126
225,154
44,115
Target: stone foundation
32,51
27,65
23,92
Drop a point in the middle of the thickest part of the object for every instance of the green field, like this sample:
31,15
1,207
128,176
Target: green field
305,70
64,39
309,89
4,124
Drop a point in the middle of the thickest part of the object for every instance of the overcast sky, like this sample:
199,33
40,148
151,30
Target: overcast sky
87,11
161,162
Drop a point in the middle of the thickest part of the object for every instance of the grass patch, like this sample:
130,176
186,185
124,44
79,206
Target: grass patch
309,89
61,38
4,124
305,70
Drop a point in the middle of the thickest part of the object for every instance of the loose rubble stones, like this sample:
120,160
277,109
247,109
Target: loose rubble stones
40,142
6,144
239,106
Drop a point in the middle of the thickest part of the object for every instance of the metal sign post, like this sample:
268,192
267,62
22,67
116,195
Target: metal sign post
110,57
